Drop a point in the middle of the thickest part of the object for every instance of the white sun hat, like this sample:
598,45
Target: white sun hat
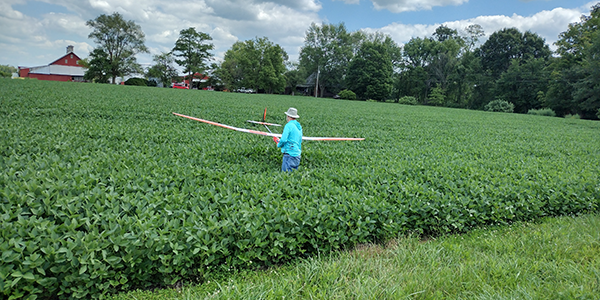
292,113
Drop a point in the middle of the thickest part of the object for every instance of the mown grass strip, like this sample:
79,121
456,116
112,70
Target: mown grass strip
557,258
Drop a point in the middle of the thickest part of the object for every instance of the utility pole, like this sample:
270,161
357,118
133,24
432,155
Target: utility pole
317,85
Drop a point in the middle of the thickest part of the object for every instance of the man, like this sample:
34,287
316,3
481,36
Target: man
291,141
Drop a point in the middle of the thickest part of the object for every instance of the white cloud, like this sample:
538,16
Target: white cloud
39,39
349,1
547,24
282,21
65,23
398,6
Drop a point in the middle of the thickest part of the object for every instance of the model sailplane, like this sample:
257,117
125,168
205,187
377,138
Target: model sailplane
304,138
264,121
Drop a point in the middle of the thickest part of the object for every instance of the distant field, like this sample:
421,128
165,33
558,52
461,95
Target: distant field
104,189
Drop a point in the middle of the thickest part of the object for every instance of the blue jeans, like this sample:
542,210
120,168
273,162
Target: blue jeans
290,163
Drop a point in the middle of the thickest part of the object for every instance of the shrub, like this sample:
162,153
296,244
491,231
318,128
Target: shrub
137,81
570,116
347,95
542,112
500,105
598,114
408,100
437,96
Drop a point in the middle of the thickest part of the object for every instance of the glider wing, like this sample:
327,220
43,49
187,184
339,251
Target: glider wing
314,138
263,123
229,127
305,138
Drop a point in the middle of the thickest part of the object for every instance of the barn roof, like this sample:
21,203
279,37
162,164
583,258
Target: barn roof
58,70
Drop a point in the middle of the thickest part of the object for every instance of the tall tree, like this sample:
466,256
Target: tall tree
293,76
500,52
370,72
272,66
462,80
230,70
434,60
163,68
419,52
121,40
393,49
192,48
256,63
327,51
7,70
413,81
473,33
96,66
522,84
587,89
445,57
576,83
508,44
443,33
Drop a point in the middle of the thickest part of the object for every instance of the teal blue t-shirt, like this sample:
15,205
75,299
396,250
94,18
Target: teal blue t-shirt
291,139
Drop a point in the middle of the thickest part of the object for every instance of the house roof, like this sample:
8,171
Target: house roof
62,57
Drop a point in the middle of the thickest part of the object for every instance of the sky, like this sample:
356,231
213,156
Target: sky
36,33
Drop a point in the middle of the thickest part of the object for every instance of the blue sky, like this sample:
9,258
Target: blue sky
365,15
37,32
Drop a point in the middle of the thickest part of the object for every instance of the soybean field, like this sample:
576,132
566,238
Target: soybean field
103,189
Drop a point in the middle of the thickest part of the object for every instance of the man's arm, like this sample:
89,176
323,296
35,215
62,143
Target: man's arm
284,136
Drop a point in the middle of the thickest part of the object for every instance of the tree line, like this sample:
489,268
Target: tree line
515,69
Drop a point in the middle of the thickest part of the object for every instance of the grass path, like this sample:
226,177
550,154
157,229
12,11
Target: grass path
557,258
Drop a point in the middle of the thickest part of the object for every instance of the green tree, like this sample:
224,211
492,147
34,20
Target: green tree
587,89
293,77
327,51
575,82
437,97
230,70
413,81
473,34
414,78
500,52
393,49
419,52
508,44
395,53
271,76
522,83
437,59
7,71
445,64
163,68
214,78
121,40
461,81
370,72
97,65
443,33
444,59
256,63
192,51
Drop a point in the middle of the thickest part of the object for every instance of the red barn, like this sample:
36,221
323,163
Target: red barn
62,69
